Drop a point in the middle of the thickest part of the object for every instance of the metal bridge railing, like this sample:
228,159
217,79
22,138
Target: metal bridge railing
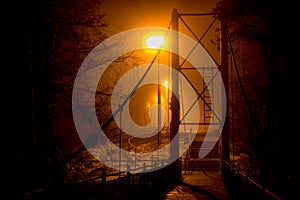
242,179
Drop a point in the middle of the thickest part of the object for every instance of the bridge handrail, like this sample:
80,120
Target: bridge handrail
246,177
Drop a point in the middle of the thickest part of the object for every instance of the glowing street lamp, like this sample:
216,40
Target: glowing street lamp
147,113
155,41
166,83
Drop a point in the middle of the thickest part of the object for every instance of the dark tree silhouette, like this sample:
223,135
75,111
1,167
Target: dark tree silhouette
260,76
57,35
248,35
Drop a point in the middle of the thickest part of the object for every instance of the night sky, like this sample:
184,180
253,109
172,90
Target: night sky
127,14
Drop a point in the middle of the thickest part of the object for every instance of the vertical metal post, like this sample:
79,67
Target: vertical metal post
174,149
224,72
159,108
120,142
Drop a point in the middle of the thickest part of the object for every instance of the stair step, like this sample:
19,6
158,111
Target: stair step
204,164
211,154
211,162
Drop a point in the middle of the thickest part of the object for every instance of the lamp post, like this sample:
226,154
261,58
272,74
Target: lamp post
159,104
146,113
155,42
120,142
166,83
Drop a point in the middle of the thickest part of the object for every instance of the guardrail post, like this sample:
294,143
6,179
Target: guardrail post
103,176
128,175
128,183
144,167
143,177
